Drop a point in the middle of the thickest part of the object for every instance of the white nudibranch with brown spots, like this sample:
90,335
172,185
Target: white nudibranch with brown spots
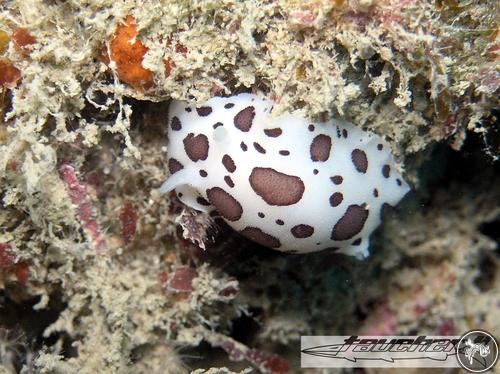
281,181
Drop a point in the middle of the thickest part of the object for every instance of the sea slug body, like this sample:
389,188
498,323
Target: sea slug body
281,181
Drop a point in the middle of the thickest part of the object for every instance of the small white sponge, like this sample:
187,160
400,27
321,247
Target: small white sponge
284,182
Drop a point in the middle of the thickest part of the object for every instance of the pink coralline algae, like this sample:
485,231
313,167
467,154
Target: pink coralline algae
179,280
128,221
266,362
85,209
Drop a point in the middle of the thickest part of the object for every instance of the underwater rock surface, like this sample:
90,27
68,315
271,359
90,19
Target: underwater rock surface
99,272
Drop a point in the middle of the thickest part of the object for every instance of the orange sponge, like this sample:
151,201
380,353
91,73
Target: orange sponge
23,40
128,52
9,74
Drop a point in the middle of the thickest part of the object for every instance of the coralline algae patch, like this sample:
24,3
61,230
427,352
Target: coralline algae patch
23,41
283,182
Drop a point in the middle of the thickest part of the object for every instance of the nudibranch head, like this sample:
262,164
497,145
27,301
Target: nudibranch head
284,182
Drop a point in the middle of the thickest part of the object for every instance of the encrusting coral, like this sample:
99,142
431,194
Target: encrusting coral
86,236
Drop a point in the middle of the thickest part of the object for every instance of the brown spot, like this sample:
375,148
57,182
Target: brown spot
204,111
243,147
375,192
351,223
302,231
356,242
273,133
228,163
386,171
320,148
398,181
380,147
280,222
386,210
259,236
333,249
174,166
284,152
261,215
217,125
310,127
196,147
175,124
315,171
200,200
225,204
359,160
259,148
339,133
229,181
344,133
336,199
276,188
203,173
188,109
228,105
244,119
337,179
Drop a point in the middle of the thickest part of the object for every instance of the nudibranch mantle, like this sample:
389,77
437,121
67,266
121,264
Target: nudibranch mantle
281,181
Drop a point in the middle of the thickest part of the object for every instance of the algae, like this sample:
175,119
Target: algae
82,155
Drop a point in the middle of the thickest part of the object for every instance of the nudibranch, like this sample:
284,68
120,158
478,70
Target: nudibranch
281,181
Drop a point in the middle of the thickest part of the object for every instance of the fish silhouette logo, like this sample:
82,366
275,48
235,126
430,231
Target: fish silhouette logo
477,351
